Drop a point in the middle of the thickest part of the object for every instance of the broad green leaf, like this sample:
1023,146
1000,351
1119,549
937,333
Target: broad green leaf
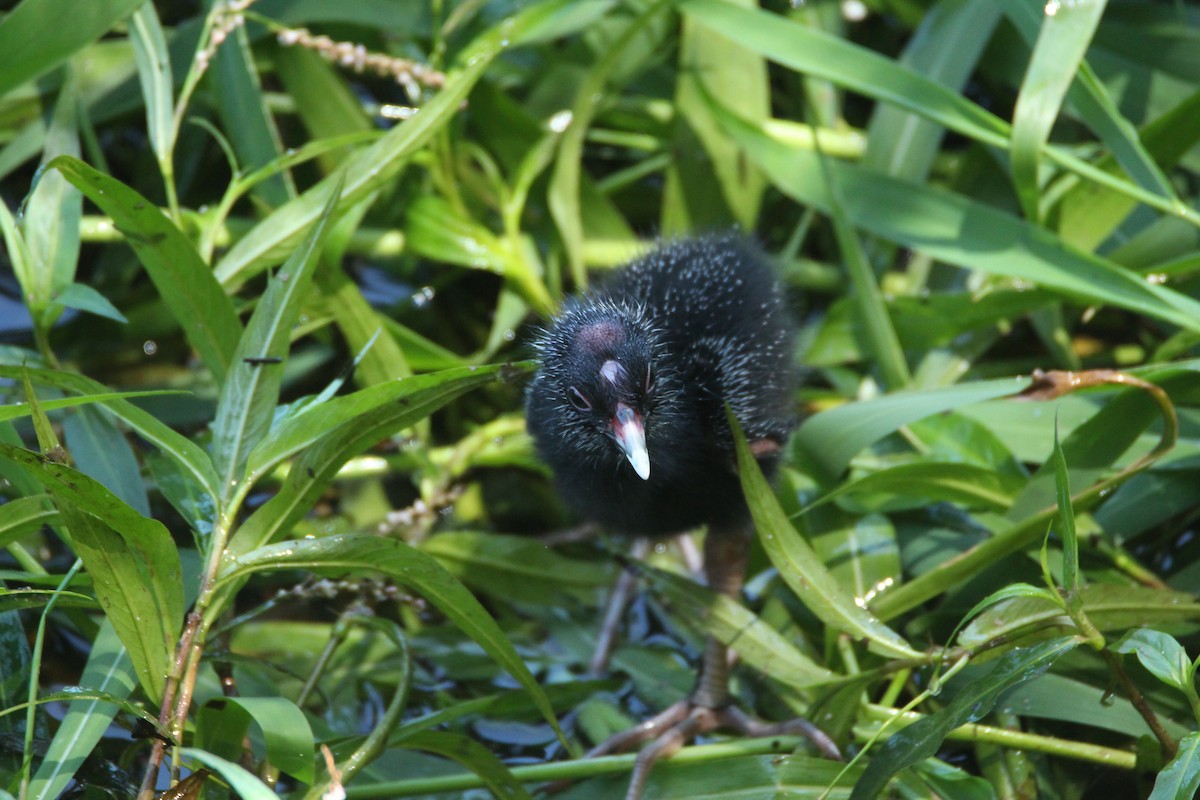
186,285
340,429
85,298
109,671
830,439
758,644
1066,526
244,783
378,165
919,482
1160,653
923,738
34,38
101,450
1056,697
1066,30
223,723
25,515
800,567
1180,779
154,74
131,559
248,397
411,567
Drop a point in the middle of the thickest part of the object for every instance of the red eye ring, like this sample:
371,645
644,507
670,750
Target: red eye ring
577,400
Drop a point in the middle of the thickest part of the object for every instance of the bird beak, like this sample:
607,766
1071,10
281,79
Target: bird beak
627,429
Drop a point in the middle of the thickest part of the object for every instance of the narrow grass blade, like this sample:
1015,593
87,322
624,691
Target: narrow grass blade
154,73
1061,45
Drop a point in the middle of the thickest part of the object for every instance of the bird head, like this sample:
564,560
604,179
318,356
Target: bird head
598,383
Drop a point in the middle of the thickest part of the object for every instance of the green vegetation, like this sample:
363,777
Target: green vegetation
268,501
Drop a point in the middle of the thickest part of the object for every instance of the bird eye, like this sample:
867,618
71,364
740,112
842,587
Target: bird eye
578,400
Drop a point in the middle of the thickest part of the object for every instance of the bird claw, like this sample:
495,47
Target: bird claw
684,721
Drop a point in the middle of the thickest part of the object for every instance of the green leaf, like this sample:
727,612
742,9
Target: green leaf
246,120
248,397
1161,654
900,142
85,298
339,430
108,671
1109,607
1066,523
758,644
184,281
54,208
18,599
830,439
285,729
1061,45
154,74
408,566
132,561
23,516
244,783
20,410
920,482
922,739
800,567
1180,779
102,451
34,38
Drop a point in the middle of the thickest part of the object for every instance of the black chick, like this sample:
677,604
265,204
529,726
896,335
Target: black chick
628,408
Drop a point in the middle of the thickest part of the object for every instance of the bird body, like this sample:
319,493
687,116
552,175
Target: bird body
628,406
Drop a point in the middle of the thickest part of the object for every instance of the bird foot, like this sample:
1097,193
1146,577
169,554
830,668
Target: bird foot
687,719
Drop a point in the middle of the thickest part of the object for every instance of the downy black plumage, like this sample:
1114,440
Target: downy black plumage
627,407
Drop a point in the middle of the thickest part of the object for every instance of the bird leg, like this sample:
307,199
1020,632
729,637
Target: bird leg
615,609
708,707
